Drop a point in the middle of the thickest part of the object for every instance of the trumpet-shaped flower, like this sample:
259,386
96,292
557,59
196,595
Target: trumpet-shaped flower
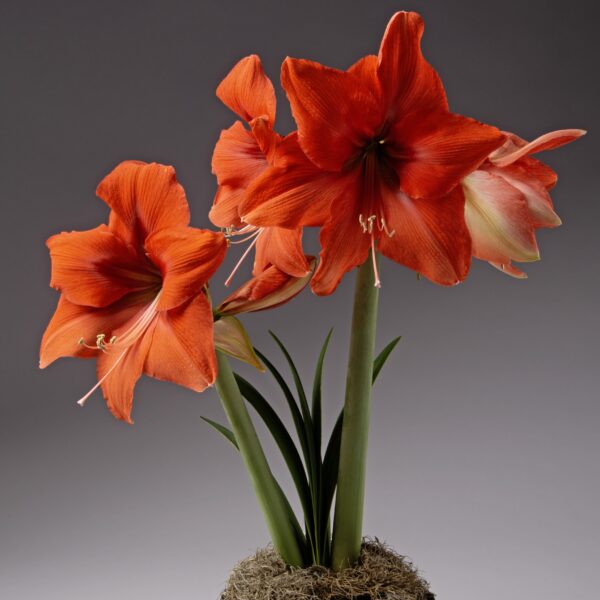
133,292
507,200
241,155
380,149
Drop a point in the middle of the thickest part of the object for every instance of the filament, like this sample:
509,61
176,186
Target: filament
239,263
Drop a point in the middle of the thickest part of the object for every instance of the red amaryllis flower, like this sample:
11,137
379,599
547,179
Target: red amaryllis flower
133,292
385,154
241,155
507,200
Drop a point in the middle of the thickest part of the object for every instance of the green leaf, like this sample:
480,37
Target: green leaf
317,404
383,356
297,382
314,459
223,430
331,463
282,439
296,414
317,420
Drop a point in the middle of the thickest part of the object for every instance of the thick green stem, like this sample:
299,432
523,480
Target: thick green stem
347,529
282,524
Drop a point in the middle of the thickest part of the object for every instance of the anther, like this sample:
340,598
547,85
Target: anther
383,227
363,223
371,220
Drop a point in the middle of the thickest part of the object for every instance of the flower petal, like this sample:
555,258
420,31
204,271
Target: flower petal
282,248
516,148
498,219
73,322
343,242
296,195
96,268
525,179
267,139
247,91
144,198
272,287
435,150
366,70
429,236
408,82
509,269
237,158
182,349
335,111
188,258
225,209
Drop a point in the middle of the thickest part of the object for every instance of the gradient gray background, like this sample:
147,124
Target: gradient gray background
484,456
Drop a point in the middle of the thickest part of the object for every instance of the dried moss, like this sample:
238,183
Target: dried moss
380,574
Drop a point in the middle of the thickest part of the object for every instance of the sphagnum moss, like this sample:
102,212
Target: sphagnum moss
380,574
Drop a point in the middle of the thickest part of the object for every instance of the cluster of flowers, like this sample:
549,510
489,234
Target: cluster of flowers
378,163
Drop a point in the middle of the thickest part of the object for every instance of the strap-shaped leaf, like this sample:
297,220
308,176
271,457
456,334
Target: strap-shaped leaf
317,419
317,403
227,433
293,406
331,463
383,356
297,381
282,438
314,458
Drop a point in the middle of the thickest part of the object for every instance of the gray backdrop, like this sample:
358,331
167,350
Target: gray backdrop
483,463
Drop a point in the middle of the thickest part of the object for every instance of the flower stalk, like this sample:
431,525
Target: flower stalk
349,505
281,522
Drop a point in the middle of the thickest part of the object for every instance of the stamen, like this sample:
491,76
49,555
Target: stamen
247,238
371,220
239,263
125,341
375,270
368,226
383,227
231,231
363,223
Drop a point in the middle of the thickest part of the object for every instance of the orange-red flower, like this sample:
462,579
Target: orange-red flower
242,154
133,291
507,200
385,155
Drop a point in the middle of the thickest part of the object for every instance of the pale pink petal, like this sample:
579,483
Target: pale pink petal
498,219
515,148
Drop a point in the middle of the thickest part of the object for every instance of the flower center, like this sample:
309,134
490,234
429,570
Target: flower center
123,342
